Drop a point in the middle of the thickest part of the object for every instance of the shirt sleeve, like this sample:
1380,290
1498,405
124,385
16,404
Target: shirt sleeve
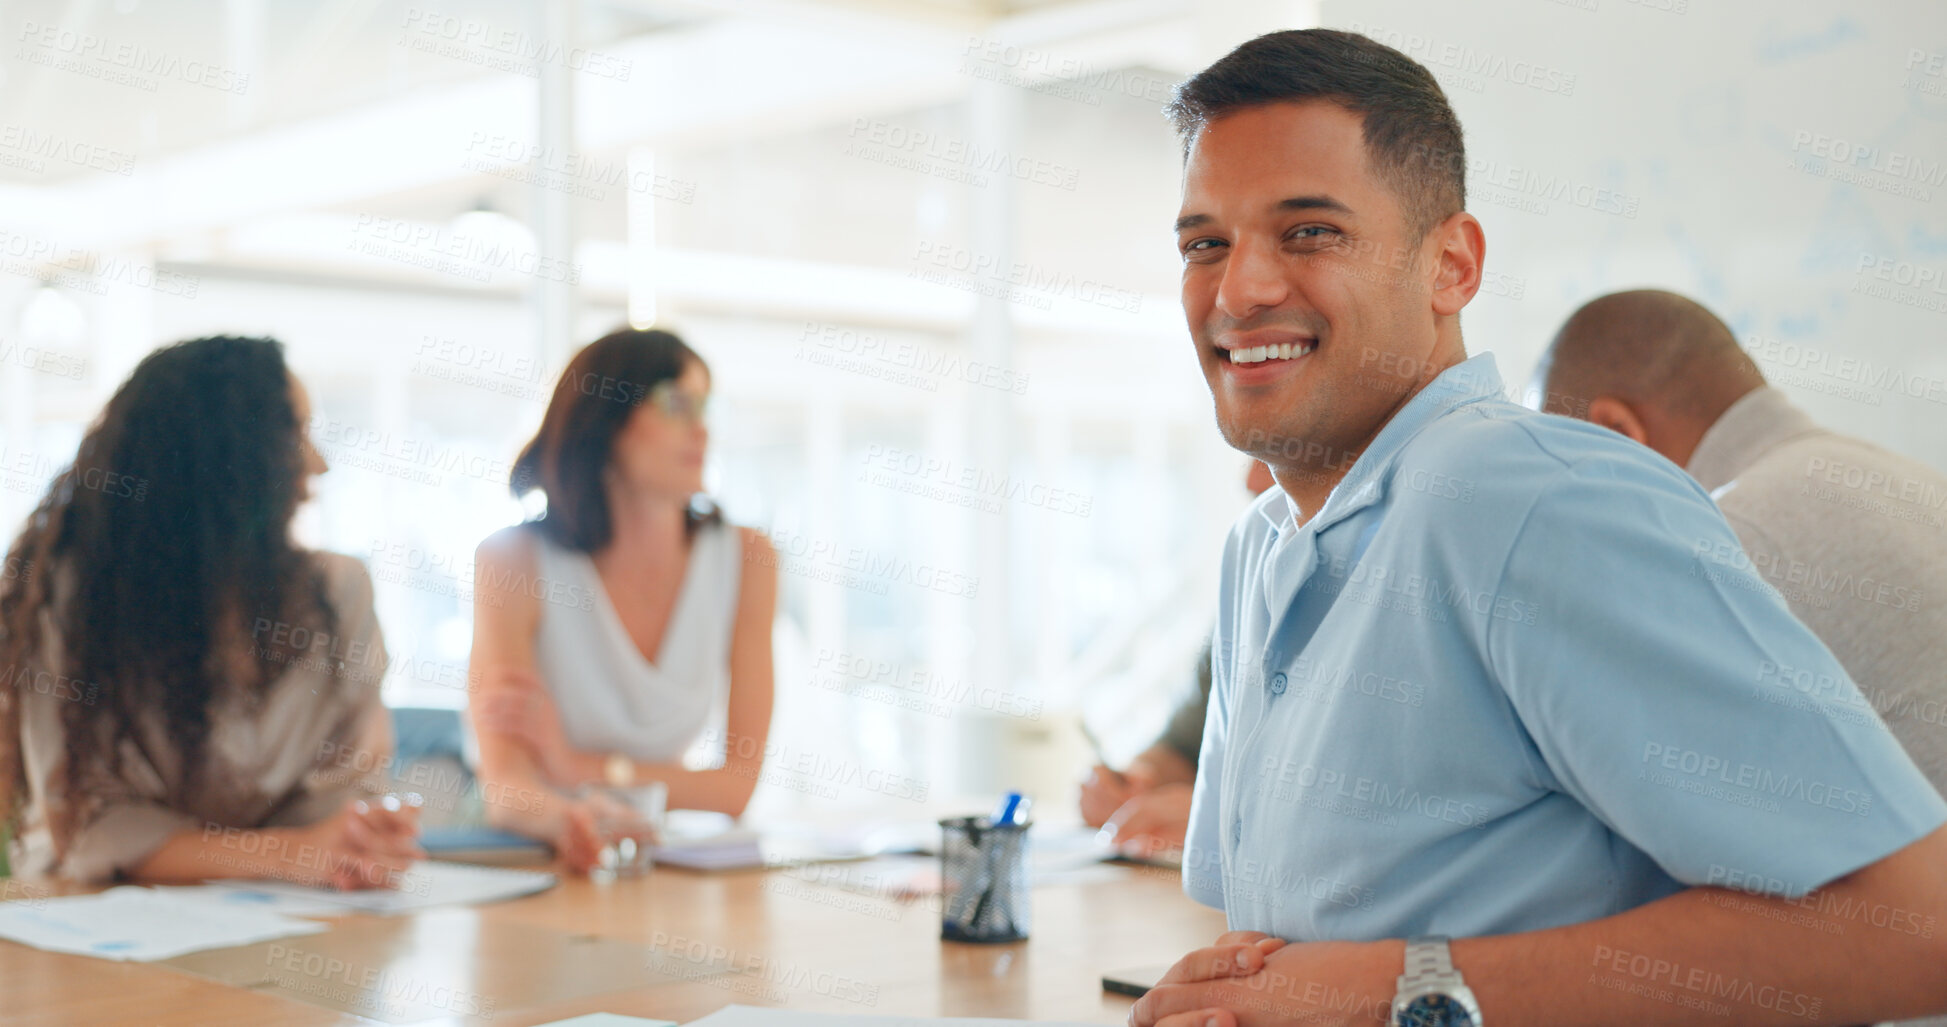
354,757
1671,692
1184,733
121,837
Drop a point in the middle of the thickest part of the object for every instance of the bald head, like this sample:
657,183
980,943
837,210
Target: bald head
1651,364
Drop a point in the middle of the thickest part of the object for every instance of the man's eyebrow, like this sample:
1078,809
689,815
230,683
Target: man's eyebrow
1288,204
1314,203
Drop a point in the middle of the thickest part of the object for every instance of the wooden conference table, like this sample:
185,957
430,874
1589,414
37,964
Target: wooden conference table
674,945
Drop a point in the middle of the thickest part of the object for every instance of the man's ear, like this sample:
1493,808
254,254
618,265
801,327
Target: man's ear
1618,417
1457,269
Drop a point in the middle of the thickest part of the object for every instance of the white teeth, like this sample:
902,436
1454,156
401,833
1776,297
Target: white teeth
1280,351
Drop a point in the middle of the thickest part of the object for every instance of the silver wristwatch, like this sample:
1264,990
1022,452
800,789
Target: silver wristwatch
1431,992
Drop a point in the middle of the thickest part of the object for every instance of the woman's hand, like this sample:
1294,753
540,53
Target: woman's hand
591,822
363,845
1103,792
1153,822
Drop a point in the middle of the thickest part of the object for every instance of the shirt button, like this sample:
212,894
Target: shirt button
1277,683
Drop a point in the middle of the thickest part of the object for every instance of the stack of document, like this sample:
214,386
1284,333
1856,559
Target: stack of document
702,840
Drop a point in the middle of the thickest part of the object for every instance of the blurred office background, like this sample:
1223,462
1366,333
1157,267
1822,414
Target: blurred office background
925,247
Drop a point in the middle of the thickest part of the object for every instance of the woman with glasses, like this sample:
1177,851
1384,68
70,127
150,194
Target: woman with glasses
610,629
185,693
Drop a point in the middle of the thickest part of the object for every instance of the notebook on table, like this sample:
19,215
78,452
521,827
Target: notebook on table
485,845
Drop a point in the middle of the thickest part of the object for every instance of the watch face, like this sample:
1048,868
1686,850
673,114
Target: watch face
1434,1011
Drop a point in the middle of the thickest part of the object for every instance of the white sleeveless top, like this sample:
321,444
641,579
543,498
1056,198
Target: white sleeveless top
613,699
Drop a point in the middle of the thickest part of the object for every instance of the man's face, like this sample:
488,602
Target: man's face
1289,239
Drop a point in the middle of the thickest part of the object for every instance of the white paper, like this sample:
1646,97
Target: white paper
704,840
427,884
1055,850
141,924
682,827
245,895
608,1020
752,1016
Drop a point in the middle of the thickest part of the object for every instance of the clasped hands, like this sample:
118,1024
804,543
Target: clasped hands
1250,979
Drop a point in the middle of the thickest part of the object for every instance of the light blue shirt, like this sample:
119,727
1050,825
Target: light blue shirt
1516,673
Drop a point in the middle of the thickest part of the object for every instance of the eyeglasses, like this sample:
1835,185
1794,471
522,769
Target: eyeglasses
676,404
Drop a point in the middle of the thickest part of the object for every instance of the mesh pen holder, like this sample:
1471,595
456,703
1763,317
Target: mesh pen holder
984,870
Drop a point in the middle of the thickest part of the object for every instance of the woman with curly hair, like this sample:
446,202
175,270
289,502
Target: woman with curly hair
187,694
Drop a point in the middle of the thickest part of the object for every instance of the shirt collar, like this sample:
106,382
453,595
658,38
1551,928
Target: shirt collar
1753,425
1472,379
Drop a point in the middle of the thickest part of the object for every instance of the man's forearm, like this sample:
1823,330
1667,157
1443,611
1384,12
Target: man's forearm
1867,947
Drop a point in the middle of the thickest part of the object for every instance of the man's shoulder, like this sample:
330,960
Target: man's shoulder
1809,495
1833,459
1504,452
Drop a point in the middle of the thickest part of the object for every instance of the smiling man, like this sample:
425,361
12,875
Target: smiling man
1482,673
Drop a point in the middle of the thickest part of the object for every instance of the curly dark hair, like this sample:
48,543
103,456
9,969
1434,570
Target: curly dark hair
158,554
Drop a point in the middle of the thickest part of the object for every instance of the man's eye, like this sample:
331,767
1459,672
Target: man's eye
1202,244
1310,232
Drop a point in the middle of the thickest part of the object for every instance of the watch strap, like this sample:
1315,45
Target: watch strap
1428,961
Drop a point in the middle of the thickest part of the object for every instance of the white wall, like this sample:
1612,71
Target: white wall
1703,120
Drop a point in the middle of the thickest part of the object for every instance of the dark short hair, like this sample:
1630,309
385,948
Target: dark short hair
1412,136
1647,346
604,385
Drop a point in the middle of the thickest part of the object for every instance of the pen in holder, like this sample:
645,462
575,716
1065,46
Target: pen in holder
984,870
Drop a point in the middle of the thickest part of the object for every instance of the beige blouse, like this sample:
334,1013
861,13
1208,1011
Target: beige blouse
316,738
